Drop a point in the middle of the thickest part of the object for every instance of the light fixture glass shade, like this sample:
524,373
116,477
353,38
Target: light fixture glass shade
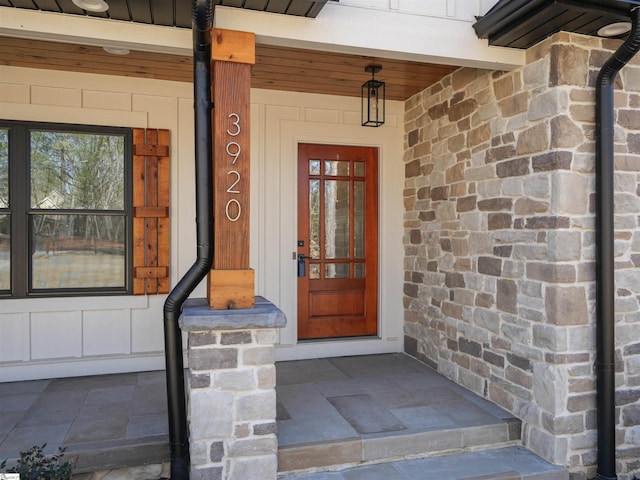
373,99
91,5
614,29
116,50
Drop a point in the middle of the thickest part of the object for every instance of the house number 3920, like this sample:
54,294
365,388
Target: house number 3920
233,209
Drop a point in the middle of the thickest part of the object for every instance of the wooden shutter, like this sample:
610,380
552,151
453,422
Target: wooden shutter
150,211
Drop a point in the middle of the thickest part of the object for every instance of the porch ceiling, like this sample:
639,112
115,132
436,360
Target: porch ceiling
276,68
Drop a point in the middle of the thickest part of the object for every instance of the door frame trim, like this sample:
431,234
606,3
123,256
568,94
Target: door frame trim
289,131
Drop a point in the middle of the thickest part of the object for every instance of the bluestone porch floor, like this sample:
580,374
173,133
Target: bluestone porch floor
121,420
106,420
372,396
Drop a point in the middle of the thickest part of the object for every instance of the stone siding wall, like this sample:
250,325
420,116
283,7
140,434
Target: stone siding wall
499,289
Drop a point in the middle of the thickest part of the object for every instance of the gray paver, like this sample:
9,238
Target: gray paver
20,439
499,461
8,420
426,417
53,408
31,386
304,400
365,415
110,395
334,388
149,398
384,471
314,429
17,402
147,425
304,371
87,414
89,383
368,366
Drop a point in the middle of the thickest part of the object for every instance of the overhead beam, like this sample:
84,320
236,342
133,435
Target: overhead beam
339,28
59,27
376,33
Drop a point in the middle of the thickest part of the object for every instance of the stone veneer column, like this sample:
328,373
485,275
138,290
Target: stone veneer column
499,241
231,390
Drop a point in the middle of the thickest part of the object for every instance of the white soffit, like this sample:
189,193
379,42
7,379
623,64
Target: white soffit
58,27
341,29
374,32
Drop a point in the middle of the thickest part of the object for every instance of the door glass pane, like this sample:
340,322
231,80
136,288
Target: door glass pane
314,219
5,252
4,168
314,167
78,251
336,270
314,271
336,167
358,169
336,219
358,219
358,270
77,170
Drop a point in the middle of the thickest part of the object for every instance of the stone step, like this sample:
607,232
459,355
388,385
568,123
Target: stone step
122,454
507,463
352,411
396,445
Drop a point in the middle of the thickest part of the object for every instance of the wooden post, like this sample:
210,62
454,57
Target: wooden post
231,281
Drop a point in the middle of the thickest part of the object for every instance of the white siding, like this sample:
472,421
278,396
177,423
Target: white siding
53,337
11,345
78,336
106,332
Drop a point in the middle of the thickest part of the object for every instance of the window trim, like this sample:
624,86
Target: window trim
19,181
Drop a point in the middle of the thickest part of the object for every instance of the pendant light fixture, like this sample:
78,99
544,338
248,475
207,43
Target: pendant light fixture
373,99
92,5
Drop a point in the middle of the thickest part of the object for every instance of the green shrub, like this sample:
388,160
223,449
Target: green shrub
33,464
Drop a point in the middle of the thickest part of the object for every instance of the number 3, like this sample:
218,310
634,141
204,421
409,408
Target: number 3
235,123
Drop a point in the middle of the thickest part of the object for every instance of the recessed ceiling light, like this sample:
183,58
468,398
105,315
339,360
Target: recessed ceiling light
614,29
92,5
116,50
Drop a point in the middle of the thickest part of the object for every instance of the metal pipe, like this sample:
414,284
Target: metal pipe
605,264
202,22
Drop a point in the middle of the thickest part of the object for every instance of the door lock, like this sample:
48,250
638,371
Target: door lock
302,265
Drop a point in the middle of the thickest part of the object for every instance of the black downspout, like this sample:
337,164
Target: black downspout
202,22
605,264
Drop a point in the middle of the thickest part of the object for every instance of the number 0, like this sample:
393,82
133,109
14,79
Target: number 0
227,209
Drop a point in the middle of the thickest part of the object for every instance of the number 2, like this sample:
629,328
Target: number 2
230,189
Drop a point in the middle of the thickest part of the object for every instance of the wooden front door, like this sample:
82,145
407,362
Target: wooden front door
337,241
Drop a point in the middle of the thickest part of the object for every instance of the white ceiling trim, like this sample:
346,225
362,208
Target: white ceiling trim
338,28
58,27
372,32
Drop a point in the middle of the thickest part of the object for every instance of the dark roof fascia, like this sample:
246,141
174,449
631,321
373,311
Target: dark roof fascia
502,14
505,12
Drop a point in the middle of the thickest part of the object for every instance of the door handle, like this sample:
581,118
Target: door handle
302,265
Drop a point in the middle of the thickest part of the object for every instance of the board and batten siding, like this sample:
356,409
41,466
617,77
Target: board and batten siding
60,337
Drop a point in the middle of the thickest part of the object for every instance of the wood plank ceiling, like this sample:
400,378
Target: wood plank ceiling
276,68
